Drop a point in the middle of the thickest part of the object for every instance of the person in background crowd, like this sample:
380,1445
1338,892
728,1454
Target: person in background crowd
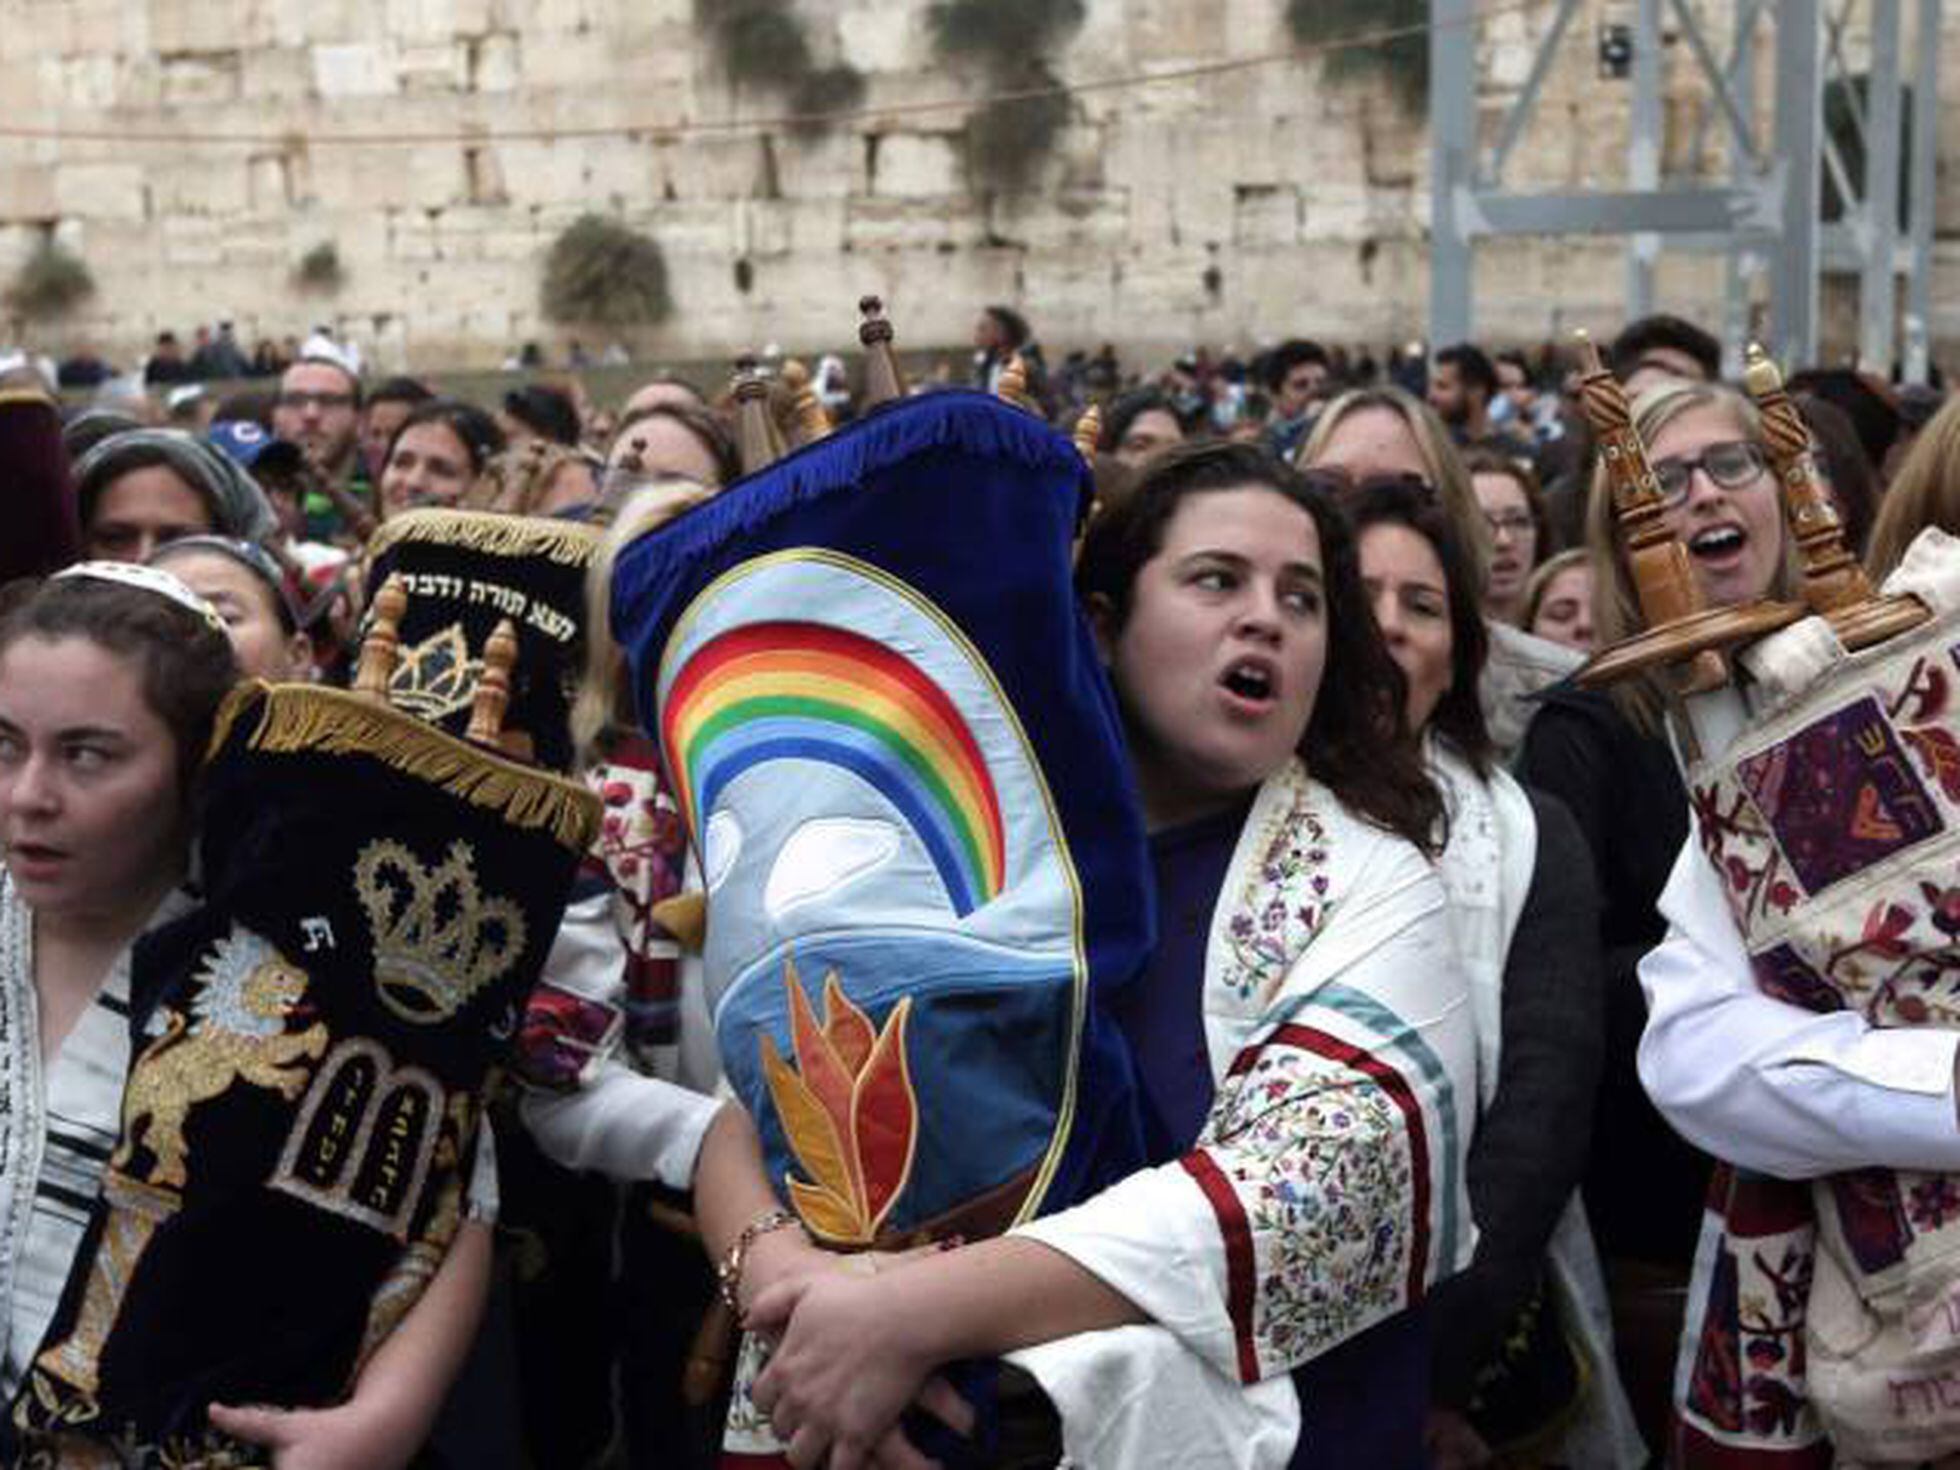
1138,425
136,490
1297,374
37,498
436,456
250,594
1658,347
1372,433
1519,1356
1507,493
1519,406
1867,401
539,411
218,358
1558,602
1846,472
669,440
83,368
661,388
381,419
999,332
1925,492
318,408
166,363
1606,756
1462,383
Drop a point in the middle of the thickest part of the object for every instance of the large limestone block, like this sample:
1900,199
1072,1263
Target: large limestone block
355,69
441,67
192,241
85,83
911,224
571,60
201,80
95,190
915,165
27,192
275,74
218,185
876,36
494,65
178,26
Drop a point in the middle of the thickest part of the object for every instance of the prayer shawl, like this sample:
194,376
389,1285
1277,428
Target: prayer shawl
310,1043
1326,1190
1822,1315
887,732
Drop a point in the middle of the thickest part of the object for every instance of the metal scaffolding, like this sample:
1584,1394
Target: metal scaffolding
1765,217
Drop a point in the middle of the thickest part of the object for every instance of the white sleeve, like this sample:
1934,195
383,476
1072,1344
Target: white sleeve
483,1200
1770,1086
623,1125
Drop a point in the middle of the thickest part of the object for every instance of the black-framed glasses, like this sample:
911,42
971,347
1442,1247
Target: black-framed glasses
1731,464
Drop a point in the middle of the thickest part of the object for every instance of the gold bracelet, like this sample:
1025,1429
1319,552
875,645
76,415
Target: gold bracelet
728,1271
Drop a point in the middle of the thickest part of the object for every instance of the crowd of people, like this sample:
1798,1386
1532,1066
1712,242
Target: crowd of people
1420,1139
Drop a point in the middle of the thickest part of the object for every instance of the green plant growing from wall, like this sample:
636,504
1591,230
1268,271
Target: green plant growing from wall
601,273
1403,59
1008,43
763,44
320,269
51,283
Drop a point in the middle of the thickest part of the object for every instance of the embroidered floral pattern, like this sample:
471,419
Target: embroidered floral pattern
642,847
1266,932
1314,1154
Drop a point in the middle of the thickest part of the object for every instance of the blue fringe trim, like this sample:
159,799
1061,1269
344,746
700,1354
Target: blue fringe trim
960,420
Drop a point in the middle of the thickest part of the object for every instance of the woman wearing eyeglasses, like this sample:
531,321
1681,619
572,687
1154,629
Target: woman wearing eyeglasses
1606,757
1514,512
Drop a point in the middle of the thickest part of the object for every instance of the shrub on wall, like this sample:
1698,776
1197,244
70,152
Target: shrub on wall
1008,43
601,273
763,44
320,269
50,283
1403,60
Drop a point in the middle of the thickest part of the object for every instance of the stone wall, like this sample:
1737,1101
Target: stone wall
1231,208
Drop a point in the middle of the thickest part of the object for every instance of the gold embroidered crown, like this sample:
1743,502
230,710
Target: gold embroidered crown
437,677
437,939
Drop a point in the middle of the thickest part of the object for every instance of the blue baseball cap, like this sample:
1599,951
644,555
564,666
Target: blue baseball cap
248,442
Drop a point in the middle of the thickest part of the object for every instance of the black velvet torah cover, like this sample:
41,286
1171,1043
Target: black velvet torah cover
465,572
310,1046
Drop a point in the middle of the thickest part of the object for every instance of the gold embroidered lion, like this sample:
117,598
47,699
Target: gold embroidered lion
236,1032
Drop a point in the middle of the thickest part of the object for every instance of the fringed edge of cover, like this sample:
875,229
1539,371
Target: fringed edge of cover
568,543
966,421
305,718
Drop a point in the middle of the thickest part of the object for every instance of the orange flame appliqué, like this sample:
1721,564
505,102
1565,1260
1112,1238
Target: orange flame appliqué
848,1110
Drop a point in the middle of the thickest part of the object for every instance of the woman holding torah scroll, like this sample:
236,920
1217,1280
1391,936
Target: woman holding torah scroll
1605,756
1279,1168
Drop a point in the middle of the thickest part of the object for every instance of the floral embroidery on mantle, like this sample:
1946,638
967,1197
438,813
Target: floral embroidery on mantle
1283,903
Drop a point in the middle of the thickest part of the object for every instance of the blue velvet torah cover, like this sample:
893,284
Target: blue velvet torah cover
901,766
310,1044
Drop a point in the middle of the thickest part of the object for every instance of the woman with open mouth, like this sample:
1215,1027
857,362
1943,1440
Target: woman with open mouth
1302,1040
1606,757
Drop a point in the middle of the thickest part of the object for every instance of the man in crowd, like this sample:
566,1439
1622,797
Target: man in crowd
381,419
1655,347
1461,386
1297,375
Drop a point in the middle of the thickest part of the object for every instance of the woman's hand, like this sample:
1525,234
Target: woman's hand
846,1366
349,1436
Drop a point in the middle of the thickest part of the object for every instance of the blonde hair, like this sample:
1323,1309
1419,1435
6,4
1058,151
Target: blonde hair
1544,574
1442,463
1924,492
1616,606
603,685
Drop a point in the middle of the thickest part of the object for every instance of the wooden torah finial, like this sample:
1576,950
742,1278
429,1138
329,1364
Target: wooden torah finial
755,426
493,686
1088,432
1680,630
883,382
812,422
1834,585
382,645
